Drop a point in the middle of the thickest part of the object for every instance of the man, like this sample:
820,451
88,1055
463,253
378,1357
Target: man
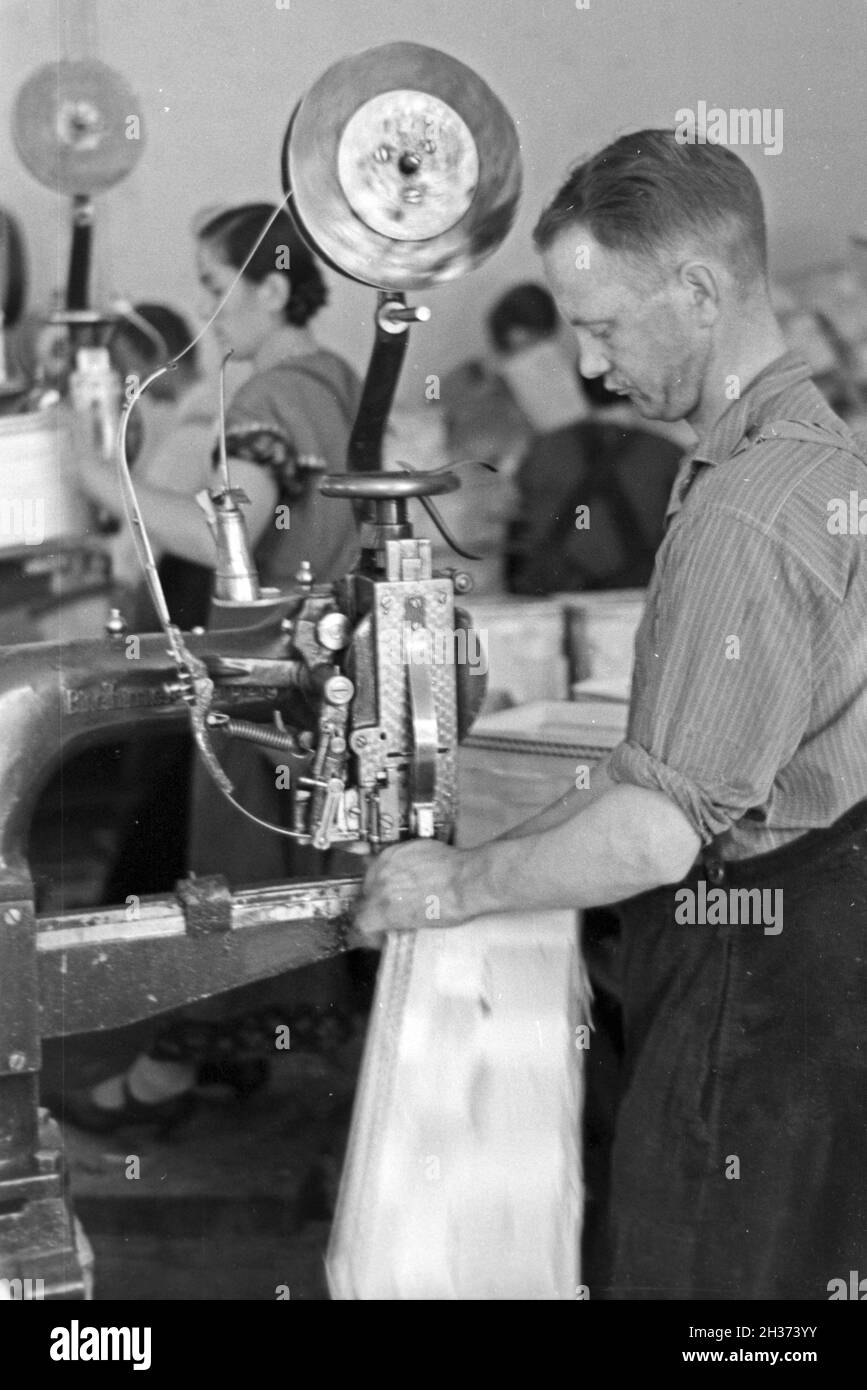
740,1158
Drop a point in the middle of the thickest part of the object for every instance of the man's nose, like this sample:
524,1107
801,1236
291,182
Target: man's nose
592,361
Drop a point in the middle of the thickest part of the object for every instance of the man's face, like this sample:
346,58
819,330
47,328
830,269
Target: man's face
642,337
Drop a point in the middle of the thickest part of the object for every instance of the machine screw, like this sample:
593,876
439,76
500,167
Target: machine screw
17,1061
116,624
332,631
338,690
12,917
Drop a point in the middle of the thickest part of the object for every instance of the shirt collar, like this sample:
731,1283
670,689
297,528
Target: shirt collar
282,345
737,419
729,429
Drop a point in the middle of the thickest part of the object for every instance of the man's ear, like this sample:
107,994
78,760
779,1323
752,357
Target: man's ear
275,290
700,283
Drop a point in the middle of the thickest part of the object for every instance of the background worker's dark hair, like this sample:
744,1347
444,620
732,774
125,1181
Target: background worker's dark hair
233,234
171,334
646,196
527,306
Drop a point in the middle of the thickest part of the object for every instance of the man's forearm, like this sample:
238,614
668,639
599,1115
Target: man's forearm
628,840
573,801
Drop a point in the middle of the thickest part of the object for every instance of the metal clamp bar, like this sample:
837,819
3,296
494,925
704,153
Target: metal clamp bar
425,733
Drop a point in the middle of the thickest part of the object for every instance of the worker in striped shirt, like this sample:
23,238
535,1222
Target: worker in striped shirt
739,1166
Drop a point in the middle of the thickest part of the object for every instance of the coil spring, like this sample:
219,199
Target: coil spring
261,733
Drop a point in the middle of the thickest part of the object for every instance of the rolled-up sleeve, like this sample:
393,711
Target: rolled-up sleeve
722,682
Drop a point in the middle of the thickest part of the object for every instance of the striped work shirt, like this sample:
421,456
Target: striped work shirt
749,695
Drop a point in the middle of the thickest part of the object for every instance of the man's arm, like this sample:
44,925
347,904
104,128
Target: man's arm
628,840
572,801
708,734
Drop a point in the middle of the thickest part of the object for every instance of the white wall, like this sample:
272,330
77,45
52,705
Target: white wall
218,79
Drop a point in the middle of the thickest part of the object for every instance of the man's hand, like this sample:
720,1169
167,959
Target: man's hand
411,885
630,839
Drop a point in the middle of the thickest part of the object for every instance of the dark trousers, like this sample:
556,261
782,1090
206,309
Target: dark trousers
739,1167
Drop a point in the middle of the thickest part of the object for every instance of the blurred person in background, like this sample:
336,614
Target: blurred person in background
589,451
477,422
40,352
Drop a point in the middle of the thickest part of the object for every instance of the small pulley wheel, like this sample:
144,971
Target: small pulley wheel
77,126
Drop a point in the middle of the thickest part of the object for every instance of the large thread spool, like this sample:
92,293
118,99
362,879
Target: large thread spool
39,500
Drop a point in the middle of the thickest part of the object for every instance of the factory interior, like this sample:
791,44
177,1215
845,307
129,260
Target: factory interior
361,503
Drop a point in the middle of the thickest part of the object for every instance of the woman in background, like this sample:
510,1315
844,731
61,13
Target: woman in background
294,413
296,407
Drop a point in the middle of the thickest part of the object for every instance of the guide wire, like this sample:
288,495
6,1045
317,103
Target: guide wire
191,670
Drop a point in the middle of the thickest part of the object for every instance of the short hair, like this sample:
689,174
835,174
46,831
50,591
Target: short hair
526,306
646,194
171,335
234,233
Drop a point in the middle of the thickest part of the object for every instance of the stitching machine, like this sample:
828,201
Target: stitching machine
402,170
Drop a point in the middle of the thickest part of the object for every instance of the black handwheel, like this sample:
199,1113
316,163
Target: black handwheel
385,486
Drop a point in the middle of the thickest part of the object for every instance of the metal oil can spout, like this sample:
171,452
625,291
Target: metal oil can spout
235,575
